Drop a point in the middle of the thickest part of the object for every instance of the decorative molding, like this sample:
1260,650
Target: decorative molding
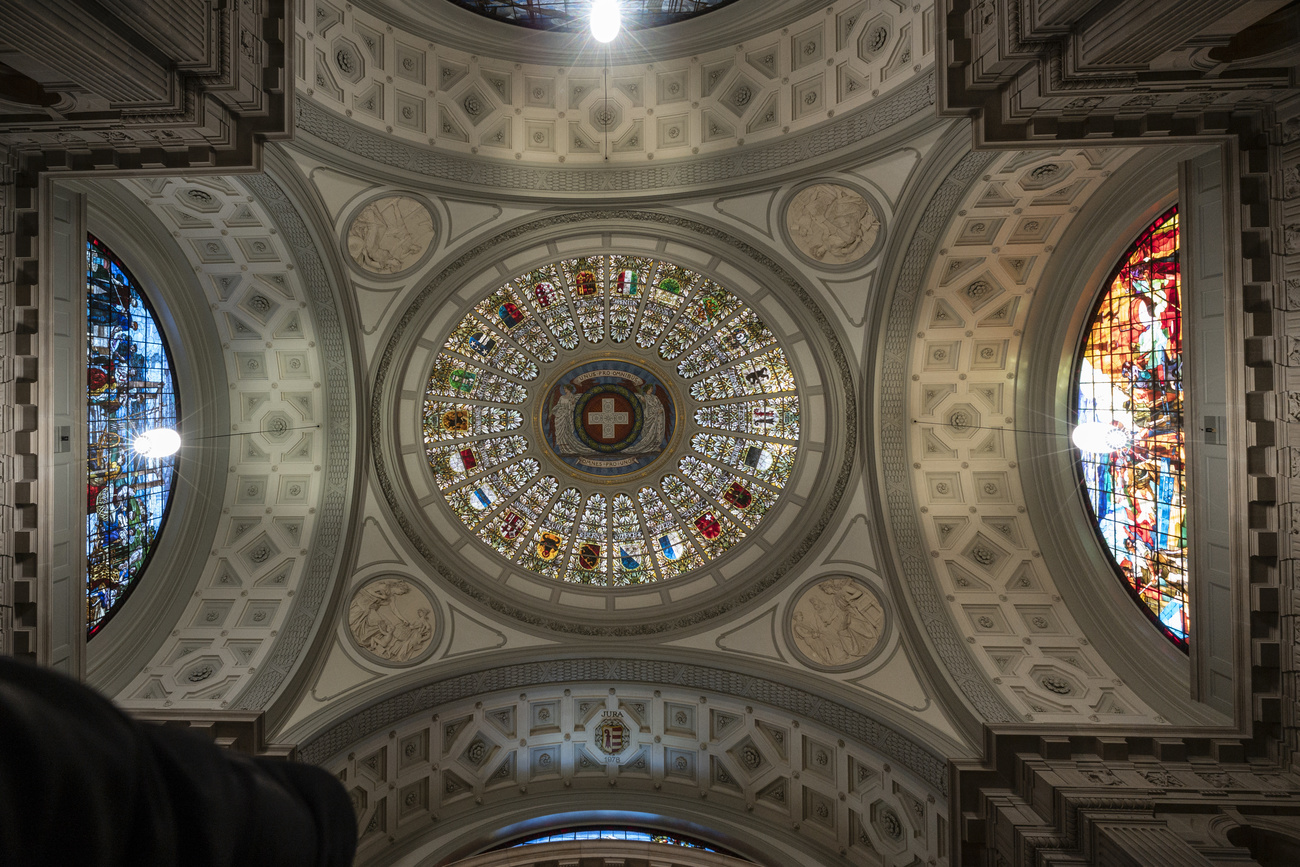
596,108
340,445
381,419
848,131
1028,71
435,695
160,86
1170,784
9,426
908,540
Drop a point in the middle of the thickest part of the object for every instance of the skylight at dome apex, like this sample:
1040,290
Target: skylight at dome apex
572,15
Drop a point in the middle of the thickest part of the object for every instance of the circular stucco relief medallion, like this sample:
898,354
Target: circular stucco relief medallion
833,225
836,623
393,620
391,235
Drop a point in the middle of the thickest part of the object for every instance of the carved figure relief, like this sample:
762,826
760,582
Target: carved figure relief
390,235
392,619
836,623
832,224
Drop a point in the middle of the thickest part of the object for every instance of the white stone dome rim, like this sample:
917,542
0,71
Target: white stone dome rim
832,473
736,22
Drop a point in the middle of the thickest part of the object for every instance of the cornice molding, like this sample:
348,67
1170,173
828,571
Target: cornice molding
841,718
851,135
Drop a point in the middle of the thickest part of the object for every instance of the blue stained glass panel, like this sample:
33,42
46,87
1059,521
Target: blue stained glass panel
130,389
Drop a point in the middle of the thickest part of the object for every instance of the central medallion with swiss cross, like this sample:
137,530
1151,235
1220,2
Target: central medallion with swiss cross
609,417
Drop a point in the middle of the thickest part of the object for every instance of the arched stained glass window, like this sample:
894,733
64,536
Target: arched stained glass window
130,389
1130,394
637,835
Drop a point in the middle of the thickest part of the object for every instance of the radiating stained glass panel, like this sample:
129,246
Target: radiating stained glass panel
702,518
629,282
455,377
707,308
768,373
589,563
741,497
546,295
446,420
672,548
455,463
776,417
628,542
475,340
477,499
130,389
1130,376
506,310
768,462
551,542
586,279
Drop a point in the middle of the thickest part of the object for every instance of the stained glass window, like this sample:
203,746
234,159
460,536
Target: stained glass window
129,390
611,420
1130,390
572,14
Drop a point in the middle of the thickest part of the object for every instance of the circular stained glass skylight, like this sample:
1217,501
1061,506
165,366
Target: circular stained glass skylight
611,420
572,14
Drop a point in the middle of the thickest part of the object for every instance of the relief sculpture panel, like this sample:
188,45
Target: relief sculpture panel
836,623
390,235
393,620
832,224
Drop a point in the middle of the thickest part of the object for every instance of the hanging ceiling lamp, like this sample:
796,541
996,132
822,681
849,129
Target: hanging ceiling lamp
606,19
159,442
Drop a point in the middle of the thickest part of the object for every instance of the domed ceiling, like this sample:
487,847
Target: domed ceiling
613,430
611,420
572,14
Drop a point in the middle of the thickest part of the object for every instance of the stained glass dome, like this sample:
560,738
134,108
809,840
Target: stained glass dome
572,14
611,420
130,389
1130,386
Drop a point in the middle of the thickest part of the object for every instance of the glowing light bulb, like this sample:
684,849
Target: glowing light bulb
605,20
1099,437
160,442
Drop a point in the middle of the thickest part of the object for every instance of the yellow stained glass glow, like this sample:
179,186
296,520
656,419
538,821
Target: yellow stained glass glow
736,405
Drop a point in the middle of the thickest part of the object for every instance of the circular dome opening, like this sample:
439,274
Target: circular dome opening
573,15
611,420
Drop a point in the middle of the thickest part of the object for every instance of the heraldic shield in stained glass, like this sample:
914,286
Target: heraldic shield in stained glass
611,420
1130,381
129,390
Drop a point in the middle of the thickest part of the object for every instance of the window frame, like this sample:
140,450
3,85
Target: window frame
1090,323
137,287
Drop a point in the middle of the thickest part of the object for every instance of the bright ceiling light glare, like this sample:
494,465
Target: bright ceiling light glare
1099,438
160,442
606,19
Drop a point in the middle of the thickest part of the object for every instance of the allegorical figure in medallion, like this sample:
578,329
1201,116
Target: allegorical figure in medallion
831,223
563,424
655,421
390,235
383,623
837,622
